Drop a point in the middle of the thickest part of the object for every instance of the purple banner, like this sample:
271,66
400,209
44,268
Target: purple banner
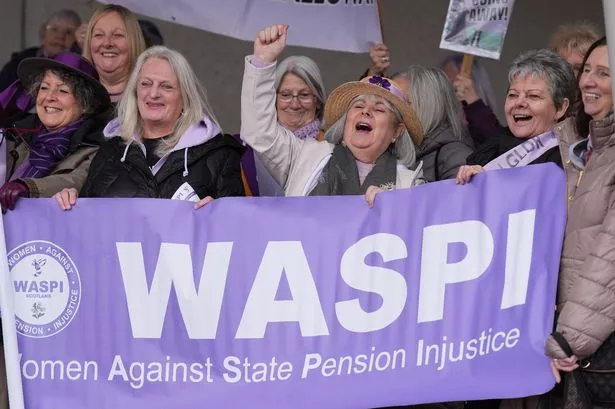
436,294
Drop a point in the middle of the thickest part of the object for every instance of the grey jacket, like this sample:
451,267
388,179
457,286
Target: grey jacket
443,153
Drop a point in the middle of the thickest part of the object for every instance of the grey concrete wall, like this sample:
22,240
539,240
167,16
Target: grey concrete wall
412,30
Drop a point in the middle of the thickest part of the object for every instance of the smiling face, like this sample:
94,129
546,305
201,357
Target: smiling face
529,107
295,103
56,105
159,97
109,45
595,84
370,127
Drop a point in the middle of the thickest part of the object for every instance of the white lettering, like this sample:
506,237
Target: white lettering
387,283
283,258
436,272
200,310
519,246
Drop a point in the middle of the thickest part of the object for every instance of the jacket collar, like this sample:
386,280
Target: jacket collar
602,132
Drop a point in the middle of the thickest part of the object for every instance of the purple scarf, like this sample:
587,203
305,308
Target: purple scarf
311,130
16,94
48,148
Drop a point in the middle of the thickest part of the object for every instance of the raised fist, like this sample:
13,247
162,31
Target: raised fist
270,43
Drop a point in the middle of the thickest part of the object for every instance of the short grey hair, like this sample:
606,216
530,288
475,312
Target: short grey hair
306,69
403,148
84,93
549,66
434,100
65,15
194,98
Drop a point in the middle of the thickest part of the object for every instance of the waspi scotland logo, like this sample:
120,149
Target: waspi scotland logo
47,288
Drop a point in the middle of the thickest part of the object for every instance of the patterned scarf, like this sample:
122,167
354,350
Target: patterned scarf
48,148
311,130
340,175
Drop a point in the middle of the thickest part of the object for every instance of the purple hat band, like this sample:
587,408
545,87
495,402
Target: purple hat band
388,85
77,62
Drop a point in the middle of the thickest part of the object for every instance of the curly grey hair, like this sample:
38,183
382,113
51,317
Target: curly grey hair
84,93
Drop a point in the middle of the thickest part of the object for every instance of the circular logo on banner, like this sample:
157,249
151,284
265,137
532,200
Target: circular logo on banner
47,288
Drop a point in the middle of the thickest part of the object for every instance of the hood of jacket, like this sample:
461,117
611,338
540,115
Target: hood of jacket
195,135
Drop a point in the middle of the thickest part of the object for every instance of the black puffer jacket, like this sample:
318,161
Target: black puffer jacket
213,170
443,153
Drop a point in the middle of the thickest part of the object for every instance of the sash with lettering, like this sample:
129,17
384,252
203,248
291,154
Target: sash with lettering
525,153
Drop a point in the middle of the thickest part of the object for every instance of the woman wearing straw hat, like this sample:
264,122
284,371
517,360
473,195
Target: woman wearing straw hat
369,144
52,149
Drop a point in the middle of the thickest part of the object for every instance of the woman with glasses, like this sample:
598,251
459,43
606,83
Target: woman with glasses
300,101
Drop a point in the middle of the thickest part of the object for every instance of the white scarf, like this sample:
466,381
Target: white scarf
524,153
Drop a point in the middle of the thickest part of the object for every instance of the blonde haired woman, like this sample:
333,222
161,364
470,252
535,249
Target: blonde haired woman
166,142
113,42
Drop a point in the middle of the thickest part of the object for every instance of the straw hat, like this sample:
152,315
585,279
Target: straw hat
339,100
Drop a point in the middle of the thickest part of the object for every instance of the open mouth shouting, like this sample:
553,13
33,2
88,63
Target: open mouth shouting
363,128
521,118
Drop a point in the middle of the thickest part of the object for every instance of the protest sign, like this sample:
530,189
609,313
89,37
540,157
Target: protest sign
341,25
477,27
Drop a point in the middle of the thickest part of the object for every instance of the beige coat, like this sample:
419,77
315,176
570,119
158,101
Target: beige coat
567,135
586,295
70,171
294,163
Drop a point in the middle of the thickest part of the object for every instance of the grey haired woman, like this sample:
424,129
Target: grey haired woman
369,145
539,95
299,102
446,143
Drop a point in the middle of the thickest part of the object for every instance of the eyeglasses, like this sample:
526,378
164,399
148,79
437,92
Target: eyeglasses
63,31
303,97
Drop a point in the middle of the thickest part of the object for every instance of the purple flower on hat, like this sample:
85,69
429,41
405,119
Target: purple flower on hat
382,82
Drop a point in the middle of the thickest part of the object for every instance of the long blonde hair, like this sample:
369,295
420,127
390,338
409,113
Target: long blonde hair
133,32
194,99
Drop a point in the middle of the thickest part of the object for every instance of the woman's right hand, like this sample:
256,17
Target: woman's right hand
466,172
465,90
66,198
379,54
566,365
270,43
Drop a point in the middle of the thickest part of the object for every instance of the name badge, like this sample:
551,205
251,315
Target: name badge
185,192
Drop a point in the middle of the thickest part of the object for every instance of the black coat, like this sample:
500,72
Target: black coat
497,146
443,153
8,75
213,170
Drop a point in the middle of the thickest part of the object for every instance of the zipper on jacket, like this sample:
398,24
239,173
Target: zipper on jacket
576,186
